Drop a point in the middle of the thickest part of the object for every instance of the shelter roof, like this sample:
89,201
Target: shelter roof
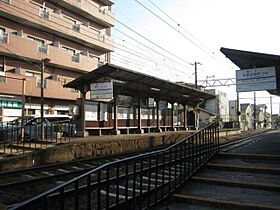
247,60
132,83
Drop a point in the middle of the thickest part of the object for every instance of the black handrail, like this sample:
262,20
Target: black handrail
135,182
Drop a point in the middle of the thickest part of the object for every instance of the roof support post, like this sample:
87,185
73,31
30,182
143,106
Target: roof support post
158,129
116,131
172,117
185,117
139,127
80,122
196,112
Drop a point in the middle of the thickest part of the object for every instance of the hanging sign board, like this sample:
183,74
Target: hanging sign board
102,90
256,79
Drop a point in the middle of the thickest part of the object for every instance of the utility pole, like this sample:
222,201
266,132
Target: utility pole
255,109
271,111
195,73
44,62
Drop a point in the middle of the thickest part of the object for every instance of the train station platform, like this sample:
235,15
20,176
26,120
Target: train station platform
97,146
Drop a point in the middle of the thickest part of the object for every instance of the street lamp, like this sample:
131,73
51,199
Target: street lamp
44,62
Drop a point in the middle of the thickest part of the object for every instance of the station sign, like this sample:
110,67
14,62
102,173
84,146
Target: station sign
256,79
102,90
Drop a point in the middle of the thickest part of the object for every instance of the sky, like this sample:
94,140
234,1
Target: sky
180,32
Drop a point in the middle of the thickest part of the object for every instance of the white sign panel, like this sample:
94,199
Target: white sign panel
102,90
256,79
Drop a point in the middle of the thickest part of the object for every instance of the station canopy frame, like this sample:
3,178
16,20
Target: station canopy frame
132,83
249,60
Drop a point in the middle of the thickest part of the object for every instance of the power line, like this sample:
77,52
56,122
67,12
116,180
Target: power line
174,28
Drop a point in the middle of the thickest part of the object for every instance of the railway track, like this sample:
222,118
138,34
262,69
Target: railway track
19,185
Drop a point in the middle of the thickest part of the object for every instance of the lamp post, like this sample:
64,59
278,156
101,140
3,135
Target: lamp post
44,62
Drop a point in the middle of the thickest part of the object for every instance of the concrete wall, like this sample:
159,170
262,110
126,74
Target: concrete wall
92,147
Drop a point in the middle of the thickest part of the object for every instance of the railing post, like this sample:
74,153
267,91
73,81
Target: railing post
88,192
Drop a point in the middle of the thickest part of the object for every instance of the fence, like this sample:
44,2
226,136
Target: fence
136,182
15,138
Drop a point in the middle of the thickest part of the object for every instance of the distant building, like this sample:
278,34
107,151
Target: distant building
232,110
74,35
246,117
219,105
275,121
205,117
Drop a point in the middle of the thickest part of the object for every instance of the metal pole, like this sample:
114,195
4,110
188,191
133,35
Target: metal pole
237,109
271,111
195,74
22,108
255,109
42,99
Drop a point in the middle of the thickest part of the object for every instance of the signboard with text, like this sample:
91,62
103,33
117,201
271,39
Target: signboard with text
102,90
256,79
10,104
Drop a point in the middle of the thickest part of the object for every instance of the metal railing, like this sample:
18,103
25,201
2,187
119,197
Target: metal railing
17,139
136,182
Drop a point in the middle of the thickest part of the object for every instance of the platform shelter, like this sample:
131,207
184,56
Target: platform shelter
136,102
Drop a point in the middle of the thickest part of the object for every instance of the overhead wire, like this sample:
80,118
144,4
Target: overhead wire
206,52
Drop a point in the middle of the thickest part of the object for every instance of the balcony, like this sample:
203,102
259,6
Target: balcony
54,88
30,49
32,15
90,10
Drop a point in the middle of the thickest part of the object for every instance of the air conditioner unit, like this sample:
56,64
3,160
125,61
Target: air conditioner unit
4,37
86,24
44,14
7,1
57,11
85,53
19,33
43,48
101,37
17,70
55,77
76,27
56,43
101,62
76,58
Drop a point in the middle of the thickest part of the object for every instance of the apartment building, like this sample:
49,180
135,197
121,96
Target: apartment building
73,35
